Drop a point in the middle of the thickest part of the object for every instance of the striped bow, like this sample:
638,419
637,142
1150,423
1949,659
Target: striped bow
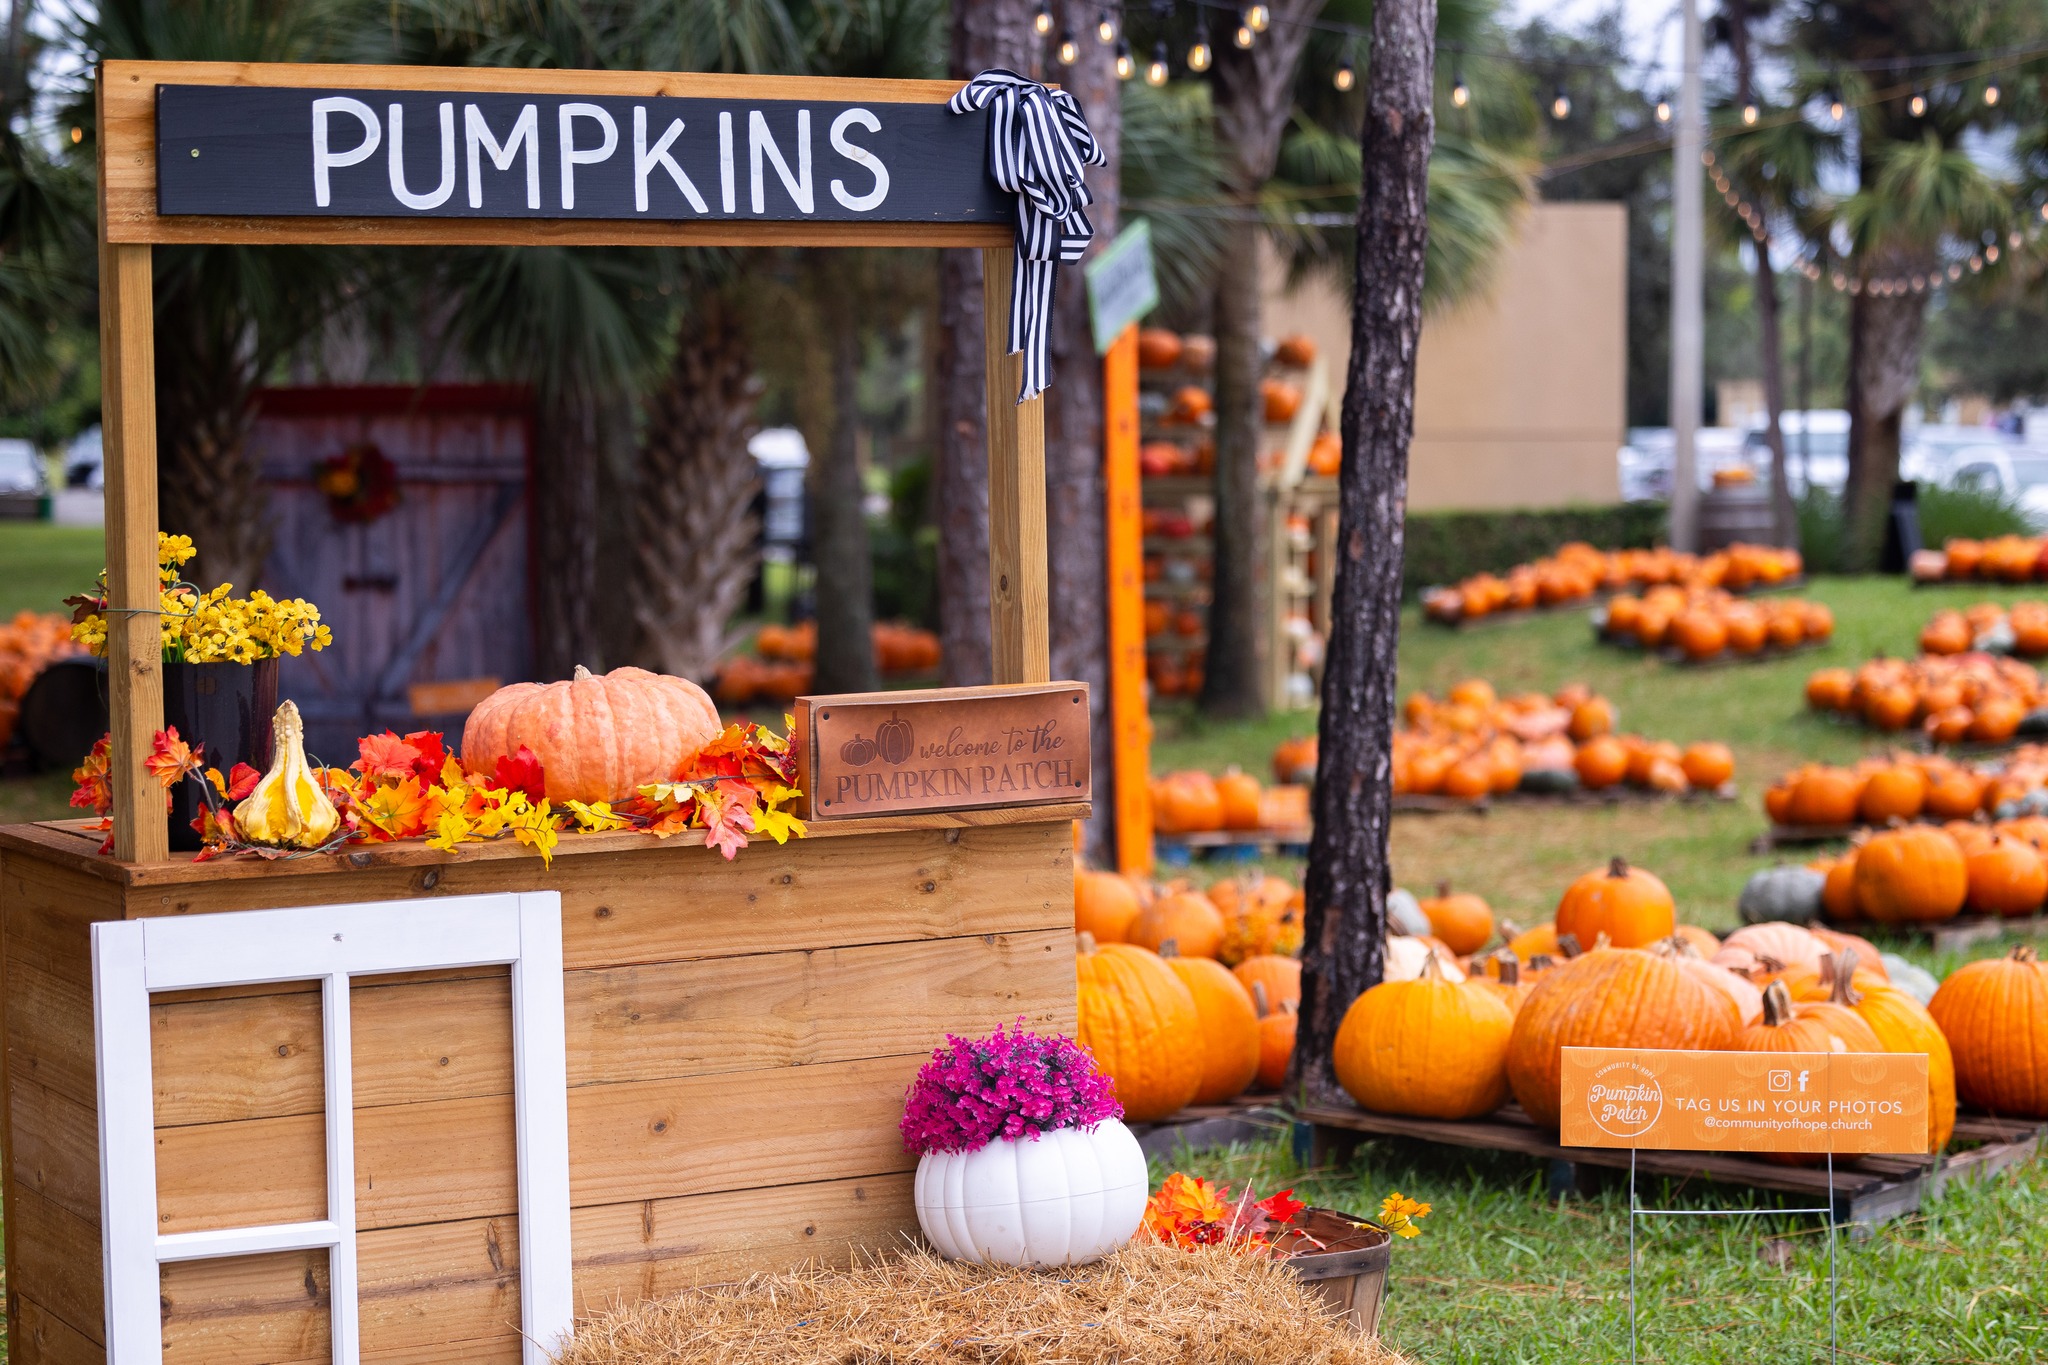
1038,143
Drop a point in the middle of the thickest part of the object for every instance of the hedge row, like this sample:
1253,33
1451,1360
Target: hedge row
1444,547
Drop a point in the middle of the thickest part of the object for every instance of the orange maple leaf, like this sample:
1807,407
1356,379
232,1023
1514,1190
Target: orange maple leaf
170,758
385,755
397,811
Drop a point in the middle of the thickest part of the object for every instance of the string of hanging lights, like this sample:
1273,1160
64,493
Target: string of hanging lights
1841,275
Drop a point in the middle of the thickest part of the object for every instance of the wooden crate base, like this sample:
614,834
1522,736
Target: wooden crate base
1230,845
1248,1118
1867,1190
1727,658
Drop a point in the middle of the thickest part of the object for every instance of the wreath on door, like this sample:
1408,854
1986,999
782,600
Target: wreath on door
360,484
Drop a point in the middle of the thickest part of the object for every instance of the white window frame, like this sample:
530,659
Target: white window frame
331,944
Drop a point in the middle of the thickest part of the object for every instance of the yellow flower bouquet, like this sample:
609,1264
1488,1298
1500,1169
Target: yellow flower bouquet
209,627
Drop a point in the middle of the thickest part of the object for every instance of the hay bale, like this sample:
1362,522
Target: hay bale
1150,1304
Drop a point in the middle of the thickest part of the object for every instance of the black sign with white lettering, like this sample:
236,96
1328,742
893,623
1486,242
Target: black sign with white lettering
263,151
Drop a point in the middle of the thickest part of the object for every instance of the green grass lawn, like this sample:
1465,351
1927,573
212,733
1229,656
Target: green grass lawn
1505,1275
41,565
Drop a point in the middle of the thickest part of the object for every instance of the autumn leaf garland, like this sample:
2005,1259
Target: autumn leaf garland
409,787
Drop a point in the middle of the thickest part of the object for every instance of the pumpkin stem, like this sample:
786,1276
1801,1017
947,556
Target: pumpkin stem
1084,942
1600,940
1777,1005
1509,931
580,674
1542,962
1259,998
1510,968
1443,890
1432,970
1568,946
1845,992
2025,953
1170,948
1617,867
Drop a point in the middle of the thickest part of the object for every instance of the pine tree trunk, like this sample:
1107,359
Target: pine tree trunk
986,33
839,540
696,541
1348,876
1884,366
1077,569
1253,97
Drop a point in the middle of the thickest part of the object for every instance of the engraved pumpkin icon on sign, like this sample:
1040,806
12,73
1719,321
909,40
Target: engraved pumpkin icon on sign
893,743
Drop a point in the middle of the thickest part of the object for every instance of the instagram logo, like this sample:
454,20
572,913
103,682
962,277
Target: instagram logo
1781,1081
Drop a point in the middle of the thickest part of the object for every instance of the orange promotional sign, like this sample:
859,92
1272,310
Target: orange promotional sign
1744,1101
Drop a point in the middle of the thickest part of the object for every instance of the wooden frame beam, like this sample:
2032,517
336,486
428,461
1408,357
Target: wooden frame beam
1017,596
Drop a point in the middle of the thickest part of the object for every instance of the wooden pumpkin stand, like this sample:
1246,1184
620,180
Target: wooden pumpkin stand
738,1035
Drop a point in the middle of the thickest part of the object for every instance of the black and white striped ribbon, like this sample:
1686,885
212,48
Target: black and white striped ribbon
1038,143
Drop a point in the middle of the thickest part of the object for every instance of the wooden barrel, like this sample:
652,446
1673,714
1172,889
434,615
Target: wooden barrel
1736,512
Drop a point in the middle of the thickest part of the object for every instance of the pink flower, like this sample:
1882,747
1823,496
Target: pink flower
1010,1084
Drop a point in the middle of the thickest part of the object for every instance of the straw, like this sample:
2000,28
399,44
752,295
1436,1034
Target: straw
1152,1304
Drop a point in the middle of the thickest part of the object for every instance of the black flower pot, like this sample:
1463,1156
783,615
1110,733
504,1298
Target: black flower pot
227,708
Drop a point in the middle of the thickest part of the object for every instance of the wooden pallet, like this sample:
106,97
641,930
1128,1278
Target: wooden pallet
1867,1190
1178,850
1606,796
1248,1118
1727,658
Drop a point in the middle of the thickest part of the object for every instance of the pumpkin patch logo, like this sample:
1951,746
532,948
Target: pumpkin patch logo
894,741
1625,1099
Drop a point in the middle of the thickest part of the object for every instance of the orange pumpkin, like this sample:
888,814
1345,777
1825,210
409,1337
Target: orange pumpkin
1186,918
1280,399
1504,979
1294,760
1277,1026
1279,977
1630,906
1838,892
1610,997
1903,1024
1105,905
2006,877
1463,921
1829,689
1186,803
598,737
1590,718
1994,1014
1429,1047
1824,796
1911,875
1531,943
1239,792
1699,633
1139,1020
1228,1024
1894,793
1158,349
1954,795
1708,766
1601,762
1297,351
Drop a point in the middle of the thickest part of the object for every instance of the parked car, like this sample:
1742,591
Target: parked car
1644,464
2018,472
21,468
84,461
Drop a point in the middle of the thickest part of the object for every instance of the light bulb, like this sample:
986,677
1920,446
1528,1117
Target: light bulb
1461,94
1155,70
1201,54
1955,271
1125,67
1105,27
1042,20
77,135
1976,264
1244,37
1991,93
2012,239
1663,111
1256,17
1749,113
1561,105
1070,51
2044,212
1346,77
1835,108
1918,104
1991,254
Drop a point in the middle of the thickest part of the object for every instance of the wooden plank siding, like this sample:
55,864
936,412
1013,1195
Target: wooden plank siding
740,1036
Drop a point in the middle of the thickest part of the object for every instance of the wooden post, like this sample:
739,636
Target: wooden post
1132,759
134,638
1019,647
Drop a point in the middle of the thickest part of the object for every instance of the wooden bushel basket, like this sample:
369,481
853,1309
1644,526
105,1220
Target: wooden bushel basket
1351,1275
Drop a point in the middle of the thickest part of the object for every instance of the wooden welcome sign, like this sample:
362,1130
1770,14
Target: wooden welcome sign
1671,1100
942,749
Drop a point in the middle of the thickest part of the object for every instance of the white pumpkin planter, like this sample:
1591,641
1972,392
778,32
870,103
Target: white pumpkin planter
1073,1195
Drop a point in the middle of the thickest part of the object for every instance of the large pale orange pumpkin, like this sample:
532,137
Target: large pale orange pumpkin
1428,1047
1239,793
1995,1016
1105,904
1740,990
1140,1021
1610,997
1632,907
598,737
1187,918
1911,875
1186,803
1229,1027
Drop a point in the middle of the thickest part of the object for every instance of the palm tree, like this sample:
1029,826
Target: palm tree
225,315
45,229
1918,193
